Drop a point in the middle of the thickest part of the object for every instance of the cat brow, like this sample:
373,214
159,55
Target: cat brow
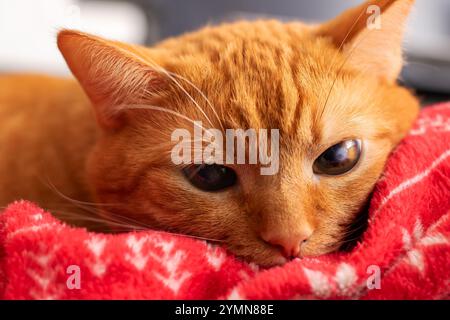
171,77
202,94
345,60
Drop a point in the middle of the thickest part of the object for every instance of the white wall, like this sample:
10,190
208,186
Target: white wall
28,30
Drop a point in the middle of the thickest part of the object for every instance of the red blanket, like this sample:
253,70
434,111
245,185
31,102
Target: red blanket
404,254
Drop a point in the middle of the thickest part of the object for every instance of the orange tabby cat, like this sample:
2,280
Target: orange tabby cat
330,89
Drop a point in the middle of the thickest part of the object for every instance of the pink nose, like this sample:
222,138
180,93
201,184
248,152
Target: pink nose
289,242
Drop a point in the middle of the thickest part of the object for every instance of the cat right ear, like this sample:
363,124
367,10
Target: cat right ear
370,36
112,74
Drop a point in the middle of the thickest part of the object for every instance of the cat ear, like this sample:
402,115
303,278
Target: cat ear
112,74
371,36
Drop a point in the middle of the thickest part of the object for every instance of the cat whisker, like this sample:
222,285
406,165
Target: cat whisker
353,49
49,184
114,219
353,232
162,109
140,226
105,223
203,96
112,216
165,72
336,54
91,207
191,236
341,45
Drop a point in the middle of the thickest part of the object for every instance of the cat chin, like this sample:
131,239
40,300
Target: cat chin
268,262
268,257
316,252
277,261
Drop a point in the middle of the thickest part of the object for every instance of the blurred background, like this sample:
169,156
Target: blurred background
28,29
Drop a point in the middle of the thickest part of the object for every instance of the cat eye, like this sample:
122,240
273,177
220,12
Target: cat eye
210,177
338,159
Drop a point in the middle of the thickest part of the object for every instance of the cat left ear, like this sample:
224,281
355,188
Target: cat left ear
371,36
112,74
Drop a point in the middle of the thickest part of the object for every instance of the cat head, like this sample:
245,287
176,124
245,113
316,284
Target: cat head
330,90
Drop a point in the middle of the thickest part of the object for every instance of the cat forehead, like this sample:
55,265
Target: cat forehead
268,75
252,65
246,49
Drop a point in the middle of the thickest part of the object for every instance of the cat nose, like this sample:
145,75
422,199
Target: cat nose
289,242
